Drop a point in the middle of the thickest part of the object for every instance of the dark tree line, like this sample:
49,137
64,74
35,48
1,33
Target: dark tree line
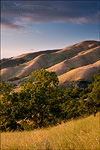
42,103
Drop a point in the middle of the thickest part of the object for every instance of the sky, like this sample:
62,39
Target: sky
31,26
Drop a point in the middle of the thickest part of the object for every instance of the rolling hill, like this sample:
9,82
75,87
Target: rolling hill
83,57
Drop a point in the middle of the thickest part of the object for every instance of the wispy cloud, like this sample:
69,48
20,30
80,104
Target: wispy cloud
23,32
8,34
18,15
11,23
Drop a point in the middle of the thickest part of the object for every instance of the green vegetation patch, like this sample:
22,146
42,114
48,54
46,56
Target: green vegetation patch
42,104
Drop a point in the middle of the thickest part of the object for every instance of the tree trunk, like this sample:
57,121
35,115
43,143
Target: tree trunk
95,111
41,119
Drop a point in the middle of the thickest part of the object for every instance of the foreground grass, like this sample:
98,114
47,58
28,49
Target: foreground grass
81,134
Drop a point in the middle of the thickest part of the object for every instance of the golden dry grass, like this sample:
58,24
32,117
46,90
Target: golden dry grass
80,134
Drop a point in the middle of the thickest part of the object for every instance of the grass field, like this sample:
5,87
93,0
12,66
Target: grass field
80,134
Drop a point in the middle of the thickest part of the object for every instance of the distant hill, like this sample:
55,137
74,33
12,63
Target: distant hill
15,61
83,57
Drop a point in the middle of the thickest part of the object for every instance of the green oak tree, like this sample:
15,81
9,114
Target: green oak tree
44,105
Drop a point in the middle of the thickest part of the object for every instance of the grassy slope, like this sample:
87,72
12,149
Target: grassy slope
82,59
46,60
80,134
85,73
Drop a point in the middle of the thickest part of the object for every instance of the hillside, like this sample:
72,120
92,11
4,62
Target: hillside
80,134
75,56
85,73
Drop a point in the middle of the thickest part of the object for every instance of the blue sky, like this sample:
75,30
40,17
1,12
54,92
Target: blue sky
34,26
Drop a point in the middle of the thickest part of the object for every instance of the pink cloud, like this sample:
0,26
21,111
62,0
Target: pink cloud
37,31
24,32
